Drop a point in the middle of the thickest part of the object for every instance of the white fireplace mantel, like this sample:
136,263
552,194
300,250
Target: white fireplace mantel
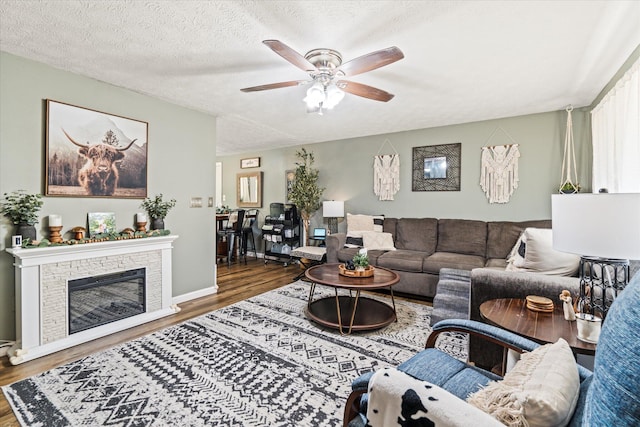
32,272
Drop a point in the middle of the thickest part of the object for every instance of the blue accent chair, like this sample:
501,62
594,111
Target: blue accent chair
609,396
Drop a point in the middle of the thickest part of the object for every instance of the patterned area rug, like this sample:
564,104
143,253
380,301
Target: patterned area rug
259,362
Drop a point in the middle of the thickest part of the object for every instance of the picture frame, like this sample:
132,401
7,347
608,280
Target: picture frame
101,223
90,153
436,167
253,162
289,179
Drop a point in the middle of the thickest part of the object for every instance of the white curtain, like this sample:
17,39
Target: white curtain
615,126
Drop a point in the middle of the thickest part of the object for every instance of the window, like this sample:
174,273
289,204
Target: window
615,126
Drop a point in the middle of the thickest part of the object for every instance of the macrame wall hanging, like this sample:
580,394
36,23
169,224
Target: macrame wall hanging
386,173
499,170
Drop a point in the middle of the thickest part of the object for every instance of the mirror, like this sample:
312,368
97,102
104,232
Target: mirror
435,168
249,190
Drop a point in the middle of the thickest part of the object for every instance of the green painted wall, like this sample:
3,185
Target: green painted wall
181,162
346,169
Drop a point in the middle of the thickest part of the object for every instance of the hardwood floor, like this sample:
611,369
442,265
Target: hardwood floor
236,283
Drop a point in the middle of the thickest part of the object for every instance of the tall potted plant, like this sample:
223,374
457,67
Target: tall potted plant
305,192
157,209
22,210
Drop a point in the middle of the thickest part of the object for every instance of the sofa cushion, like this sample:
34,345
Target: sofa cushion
433,263
502,235
402,260
389,226
462,236
417,234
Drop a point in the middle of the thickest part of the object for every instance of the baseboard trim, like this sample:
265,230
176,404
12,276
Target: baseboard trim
195,294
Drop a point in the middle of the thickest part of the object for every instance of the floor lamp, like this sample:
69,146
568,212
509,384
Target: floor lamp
333,209
604,229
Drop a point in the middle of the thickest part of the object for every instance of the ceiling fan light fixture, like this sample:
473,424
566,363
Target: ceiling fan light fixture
333,96
315,95
326,70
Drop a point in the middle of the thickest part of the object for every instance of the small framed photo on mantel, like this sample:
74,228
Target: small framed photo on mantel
253,162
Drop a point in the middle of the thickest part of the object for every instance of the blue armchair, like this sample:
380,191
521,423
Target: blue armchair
610,395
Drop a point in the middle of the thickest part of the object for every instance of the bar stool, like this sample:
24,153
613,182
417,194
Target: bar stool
250,222
232,229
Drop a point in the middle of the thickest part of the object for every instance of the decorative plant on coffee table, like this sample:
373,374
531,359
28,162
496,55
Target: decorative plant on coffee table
22,209
361,260
157,209
305,193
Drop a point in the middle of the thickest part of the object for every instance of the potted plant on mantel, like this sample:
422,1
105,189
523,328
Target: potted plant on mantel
305,193
22,209
157,209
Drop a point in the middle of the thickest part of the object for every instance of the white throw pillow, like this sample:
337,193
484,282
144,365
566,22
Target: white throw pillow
396,398
356,224
376,240
540,256
542,388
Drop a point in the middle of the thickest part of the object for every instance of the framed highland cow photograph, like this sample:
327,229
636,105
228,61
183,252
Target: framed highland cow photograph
94,154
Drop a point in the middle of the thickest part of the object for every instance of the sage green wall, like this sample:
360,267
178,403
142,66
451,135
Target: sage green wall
181,160
346,169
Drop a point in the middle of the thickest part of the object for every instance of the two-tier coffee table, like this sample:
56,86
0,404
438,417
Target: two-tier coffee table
360,312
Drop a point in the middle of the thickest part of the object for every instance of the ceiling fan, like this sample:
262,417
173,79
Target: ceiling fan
327,70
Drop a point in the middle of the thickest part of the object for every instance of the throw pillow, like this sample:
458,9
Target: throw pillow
516,256
378,223
541,390
396,398
539,255
358,224
375,240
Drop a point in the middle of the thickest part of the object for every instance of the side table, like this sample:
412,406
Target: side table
513,315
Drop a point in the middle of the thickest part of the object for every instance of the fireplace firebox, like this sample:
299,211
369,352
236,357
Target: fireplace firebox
98,300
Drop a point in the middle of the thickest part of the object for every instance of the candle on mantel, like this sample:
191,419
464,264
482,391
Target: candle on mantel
141,217
55,221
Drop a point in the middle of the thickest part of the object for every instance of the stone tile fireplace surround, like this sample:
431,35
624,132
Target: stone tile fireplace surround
42,276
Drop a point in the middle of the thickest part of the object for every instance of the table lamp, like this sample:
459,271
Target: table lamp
604,229
333,209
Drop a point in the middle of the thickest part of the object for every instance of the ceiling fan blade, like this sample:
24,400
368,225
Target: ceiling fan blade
364,91
371,61
290,55
275,85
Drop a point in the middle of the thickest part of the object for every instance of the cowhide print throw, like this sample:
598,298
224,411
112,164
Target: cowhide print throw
397,399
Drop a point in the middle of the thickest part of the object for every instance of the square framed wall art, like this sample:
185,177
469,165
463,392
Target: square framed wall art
94,154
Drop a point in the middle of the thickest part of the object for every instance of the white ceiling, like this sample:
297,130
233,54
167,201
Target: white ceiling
464,61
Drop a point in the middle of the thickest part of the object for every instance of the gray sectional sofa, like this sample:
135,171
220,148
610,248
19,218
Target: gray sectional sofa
425,245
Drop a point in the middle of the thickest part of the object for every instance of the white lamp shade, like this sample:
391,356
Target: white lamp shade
600,225
333,209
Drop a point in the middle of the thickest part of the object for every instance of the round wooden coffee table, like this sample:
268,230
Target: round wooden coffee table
513,315
362,313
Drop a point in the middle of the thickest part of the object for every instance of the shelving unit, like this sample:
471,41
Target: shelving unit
281,233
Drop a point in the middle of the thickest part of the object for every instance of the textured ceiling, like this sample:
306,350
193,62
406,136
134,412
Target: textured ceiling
464,61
